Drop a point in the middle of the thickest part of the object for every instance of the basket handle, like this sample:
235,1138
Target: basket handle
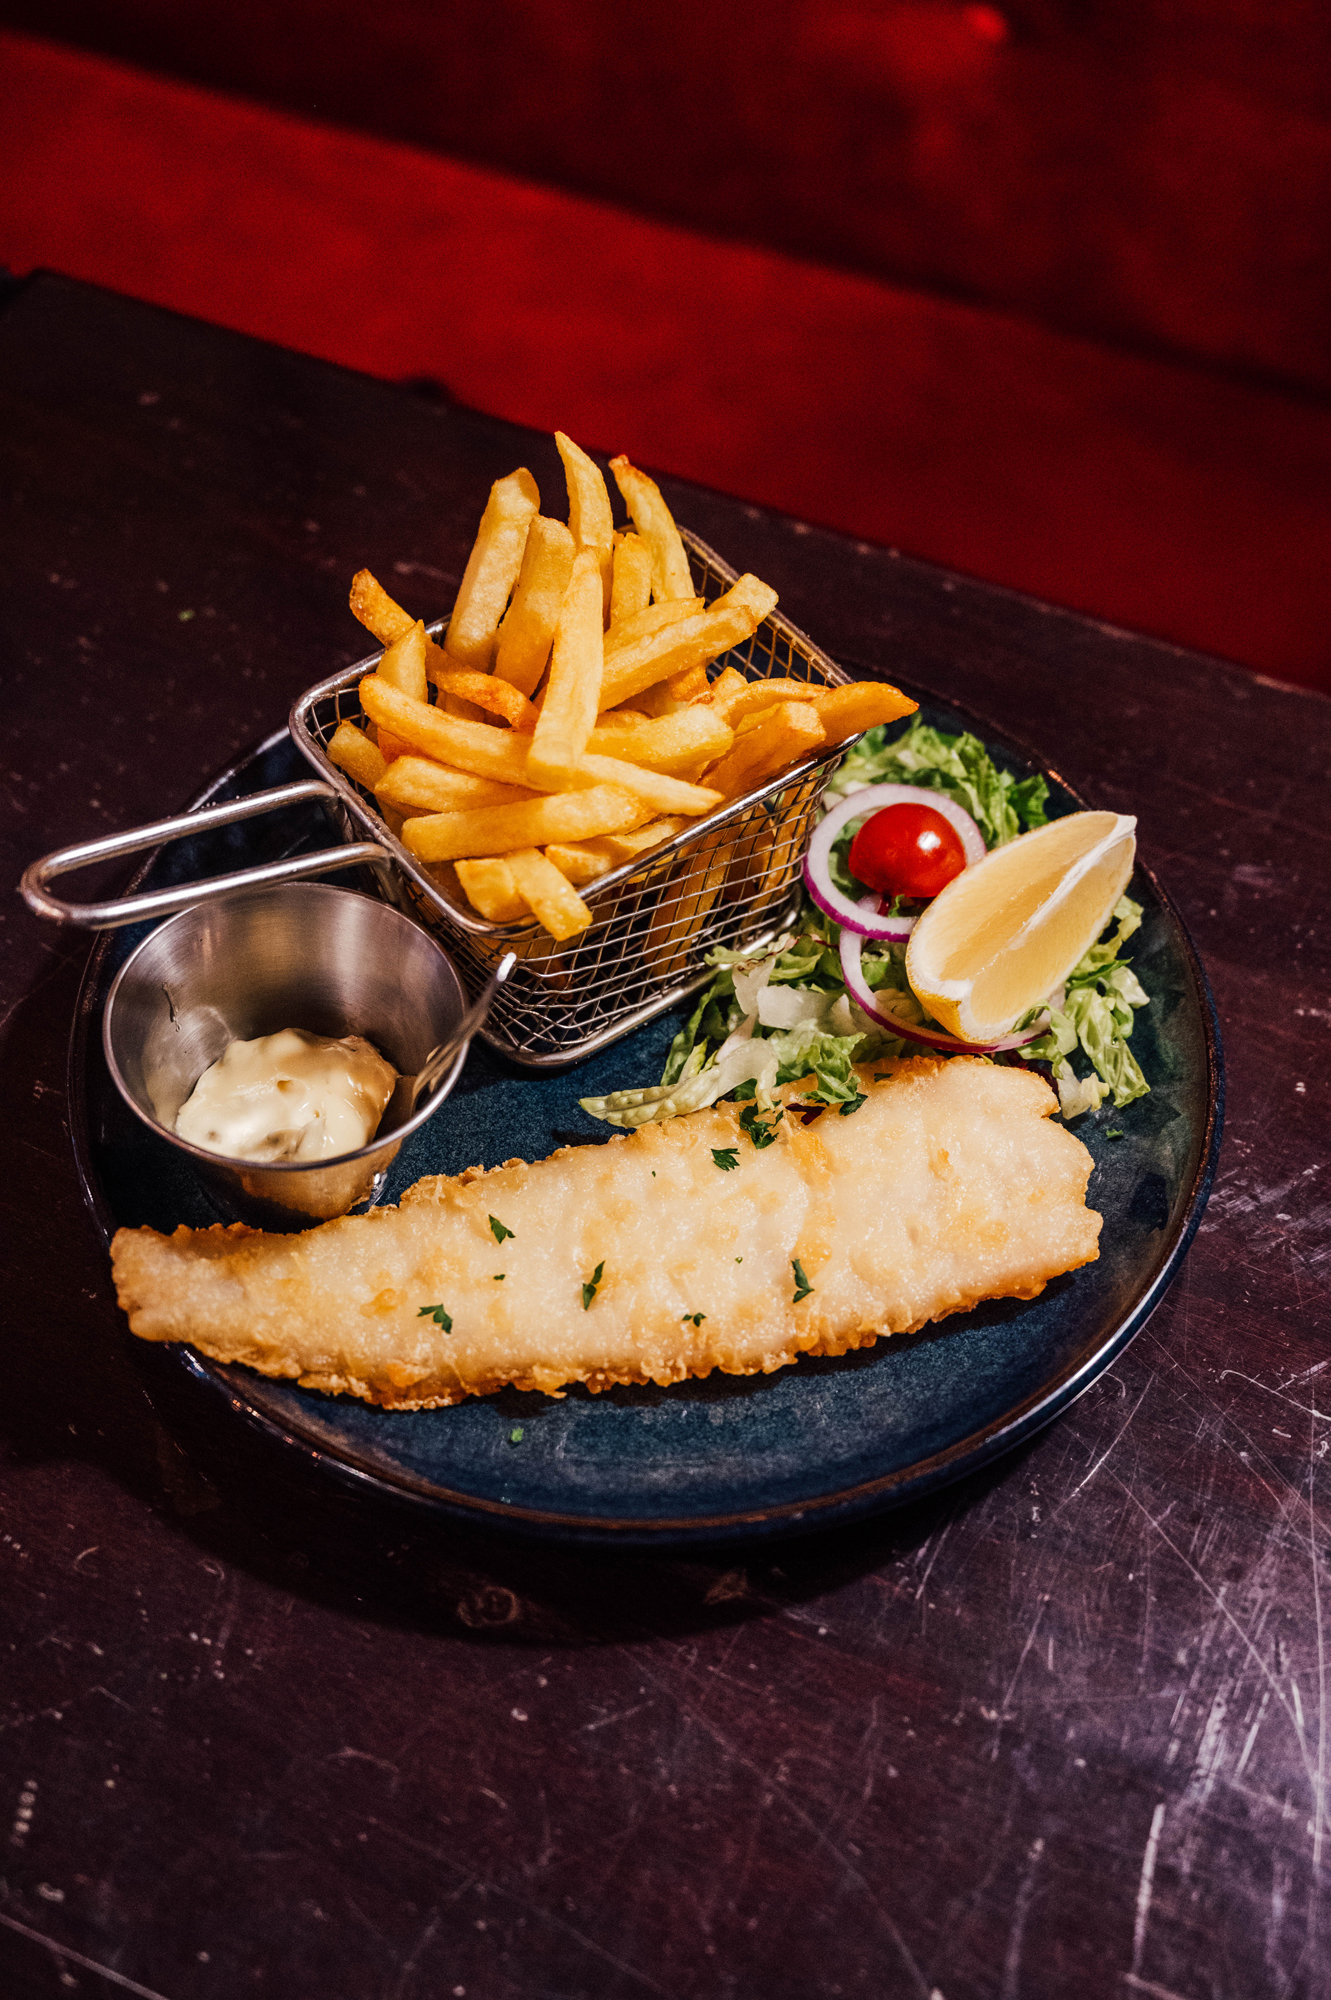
159,902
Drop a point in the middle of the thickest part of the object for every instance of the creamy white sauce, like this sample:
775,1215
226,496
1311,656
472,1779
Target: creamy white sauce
289,1096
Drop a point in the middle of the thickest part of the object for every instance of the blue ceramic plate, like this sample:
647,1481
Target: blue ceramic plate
822,1441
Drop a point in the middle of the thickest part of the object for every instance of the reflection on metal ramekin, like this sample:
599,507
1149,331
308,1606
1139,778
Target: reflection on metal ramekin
303,955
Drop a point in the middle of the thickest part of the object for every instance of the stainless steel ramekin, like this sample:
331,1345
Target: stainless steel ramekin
299,955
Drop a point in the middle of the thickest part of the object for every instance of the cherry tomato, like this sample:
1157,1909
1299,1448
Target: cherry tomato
906,850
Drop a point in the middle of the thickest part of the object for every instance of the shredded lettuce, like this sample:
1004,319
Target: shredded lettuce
1096,1016
747,1062
959,766
779,1013
827,1058
767,1018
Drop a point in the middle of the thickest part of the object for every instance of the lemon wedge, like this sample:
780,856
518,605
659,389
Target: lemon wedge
1009,929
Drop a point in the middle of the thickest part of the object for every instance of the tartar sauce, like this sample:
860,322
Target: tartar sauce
288,1096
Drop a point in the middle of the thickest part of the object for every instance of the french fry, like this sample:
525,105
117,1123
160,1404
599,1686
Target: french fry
692,642
377,611
747,700
671,576
576,666
467,746
688,685
787,732
585,860
551,897
631,579
503,754
669,743
487,691
652,618
694,771
416,784
848,711
352,751
385,618
489,887
635,840
528,626
656,701
403,666
663,794
590,521
404,662
726,690
579,862
492,570
454,836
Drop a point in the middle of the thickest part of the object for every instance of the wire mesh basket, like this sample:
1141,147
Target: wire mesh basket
731,878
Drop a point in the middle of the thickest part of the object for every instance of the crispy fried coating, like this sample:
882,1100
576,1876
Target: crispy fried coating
947,1186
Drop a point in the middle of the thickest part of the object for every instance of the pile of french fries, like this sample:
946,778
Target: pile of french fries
575,725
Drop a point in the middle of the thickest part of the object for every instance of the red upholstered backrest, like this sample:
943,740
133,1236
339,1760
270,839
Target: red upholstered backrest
1156,172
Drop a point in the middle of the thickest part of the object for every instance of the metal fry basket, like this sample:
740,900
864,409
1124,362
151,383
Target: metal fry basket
731,878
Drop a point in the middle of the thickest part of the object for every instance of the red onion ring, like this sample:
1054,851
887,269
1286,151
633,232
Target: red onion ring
818,861
852,947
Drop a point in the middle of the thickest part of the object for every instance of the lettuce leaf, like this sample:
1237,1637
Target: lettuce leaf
827,1058
752,1060
1096,1016
959,766
779,1012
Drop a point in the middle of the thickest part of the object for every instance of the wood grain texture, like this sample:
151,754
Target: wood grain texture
1062,1729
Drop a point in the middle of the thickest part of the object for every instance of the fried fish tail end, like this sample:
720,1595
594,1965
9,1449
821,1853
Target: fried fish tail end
679,1248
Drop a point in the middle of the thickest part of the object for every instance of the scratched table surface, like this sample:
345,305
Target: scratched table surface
1062,1729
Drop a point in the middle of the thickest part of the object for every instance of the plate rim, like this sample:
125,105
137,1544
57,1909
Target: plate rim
979,1448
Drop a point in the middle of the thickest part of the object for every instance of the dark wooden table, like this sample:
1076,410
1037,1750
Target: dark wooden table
1062,1730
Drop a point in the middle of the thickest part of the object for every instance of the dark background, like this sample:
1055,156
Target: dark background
1042,291
1153,172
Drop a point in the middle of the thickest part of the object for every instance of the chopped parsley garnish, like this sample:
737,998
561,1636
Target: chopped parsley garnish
590,1288
760,1133
1116,1132
692,1319
516,1435
739,1260
500,1275
438,1315
726,1157
498,1229
853,1104
802,1285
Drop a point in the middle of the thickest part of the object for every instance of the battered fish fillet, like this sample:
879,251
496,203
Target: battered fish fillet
947,1186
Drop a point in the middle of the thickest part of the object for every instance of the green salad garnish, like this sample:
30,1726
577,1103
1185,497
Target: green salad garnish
780,1012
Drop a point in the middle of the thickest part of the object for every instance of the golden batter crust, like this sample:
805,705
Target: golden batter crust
949,1185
